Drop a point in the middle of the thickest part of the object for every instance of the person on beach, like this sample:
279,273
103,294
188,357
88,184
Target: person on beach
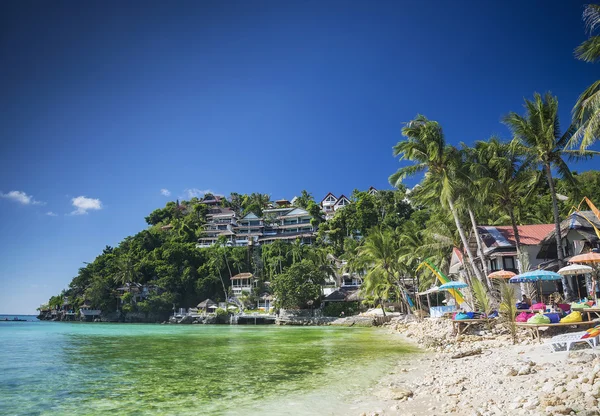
596,288
526,301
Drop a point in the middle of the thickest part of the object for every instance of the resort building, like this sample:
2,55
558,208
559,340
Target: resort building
580,233
331,203
282,222
499,247
327,205
287,224
341,203
220,223
242,282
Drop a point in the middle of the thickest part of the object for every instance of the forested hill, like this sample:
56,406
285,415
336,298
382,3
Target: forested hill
165,254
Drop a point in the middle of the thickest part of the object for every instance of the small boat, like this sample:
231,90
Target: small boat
15,319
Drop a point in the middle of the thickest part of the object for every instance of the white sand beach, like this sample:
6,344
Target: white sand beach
524,379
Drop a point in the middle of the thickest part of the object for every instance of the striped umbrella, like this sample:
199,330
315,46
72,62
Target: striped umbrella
501,274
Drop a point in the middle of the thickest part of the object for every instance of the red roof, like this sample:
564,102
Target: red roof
530,235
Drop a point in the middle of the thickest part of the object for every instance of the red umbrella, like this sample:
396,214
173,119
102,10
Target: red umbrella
501,274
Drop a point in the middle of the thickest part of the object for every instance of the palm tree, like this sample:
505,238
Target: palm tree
426,146
126,270
586,113
504,178
538,131
296,251
381,251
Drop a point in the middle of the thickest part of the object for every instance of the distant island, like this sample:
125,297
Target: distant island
246,253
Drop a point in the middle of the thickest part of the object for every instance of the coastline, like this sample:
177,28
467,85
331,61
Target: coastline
523,379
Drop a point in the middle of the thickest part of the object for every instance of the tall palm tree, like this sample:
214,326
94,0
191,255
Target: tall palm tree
381,252
539,133
504,177
126,270
586,113
426,145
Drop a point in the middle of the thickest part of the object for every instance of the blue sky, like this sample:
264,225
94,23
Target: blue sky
112,102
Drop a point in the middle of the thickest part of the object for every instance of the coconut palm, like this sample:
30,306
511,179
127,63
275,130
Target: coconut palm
586,113
538,131
426,145
126,270
504,177
381,252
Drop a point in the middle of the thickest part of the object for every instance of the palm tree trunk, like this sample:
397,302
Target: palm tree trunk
463,238
559,248
526,288
480,248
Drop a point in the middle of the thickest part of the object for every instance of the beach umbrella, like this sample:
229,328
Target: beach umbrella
453,285
586,258
575,269
535,276
501,274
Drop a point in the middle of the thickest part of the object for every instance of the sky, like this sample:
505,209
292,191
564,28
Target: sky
109,109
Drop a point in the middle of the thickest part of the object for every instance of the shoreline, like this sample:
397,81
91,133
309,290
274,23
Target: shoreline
523,379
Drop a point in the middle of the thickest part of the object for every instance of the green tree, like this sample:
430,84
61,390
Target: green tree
539,133
586,113
300,284
426,146
304,199
126,270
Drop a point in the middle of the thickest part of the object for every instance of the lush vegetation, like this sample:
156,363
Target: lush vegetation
383,237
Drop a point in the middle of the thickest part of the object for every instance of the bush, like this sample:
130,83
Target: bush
336,308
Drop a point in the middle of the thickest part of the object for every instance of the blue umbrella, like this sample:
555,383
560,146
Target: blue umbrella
534,276
453,285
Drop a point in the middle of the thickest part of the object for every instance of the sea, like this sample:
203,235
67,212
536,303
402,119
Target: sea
59,368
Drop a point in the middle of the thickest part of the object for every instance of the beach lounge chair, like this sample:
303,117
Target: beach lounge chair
568,340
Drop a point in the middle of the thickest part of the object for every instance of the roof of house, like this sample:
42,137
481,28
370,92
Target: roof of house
327,196
242,276
341,198
296,212
250,216
206,303
504,236
530,235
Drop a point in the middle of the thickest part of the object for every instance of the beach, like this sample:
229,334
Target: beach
523,379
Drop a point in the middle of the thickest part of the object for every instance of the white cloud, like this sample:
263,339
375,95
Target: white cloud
51,214
165,192
198,193
21,197
84,204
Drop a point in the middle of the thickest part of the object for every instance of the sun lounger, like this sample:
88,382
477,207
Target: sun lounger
568,340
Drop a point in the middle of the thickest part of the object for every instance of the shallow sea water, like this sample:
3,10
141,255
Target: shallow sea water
86,369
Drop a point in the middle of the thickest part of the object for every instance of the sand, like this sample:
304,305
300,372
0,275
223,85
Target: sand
505,379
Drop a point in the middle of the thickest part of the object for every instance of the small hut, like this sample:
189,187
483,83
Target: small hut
207,304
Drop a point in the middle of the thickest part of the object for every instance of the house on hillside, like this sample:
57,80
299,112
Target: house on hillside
248,230
341,203
578,236
287,224
499,246
327,205
243,282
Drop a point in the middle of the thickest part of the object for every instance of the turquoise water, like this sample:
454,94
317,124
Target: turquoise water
78,368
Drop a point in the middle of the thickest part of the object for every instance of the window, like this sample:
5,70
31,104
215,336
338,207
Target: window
509,263
494,264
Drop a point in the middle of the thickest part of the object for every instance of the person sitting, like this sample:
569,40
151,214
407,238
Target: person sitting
525,303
